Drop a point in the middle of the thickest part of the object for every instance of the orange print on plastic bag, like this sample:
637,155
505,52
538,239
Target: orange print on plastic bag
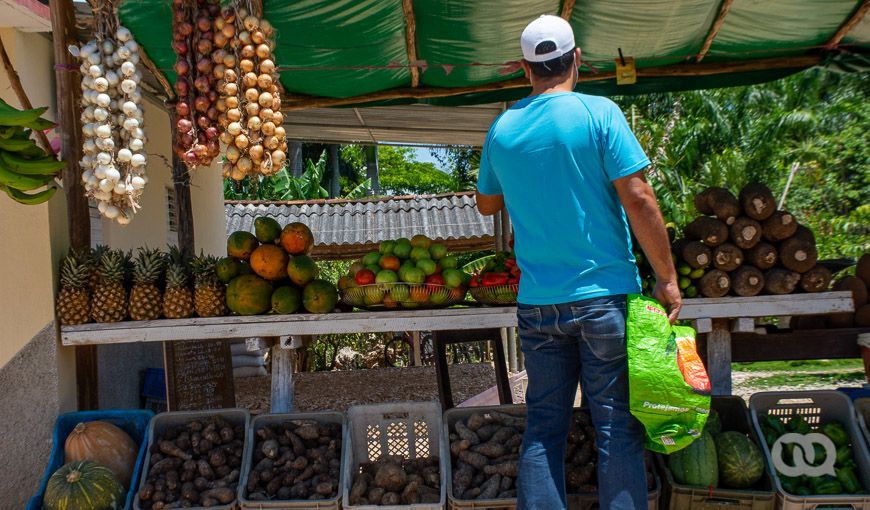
691,365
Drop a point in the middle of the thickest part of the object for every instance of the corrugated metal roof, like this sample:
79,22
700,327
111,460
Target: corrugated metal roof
347,228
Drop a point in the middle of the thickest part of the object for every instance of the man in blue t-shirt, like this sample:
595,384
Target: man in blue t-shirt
570,172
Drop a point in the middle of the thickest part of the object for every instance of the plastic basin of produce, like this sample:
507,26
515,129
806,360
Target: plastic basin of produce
133,421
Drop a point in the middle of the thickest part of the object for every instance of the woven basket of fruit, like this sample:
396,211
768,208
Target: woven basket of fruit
496,295
391,296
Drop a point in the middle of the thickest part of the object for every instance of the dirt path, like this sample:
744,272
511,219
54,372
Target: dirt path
338,390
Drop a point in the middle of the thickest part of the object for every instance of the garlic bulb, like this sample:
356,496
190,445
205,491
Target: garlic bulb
113,161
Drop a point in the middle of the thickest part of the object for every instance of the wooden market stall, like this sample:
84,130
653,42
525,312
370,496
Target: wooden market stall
452,54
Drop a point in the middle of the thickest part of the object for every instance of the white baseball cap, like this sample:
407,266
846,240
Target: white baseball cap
547,28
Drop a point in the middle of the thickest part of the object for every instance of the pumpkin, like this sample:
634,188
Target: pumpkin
104,444
83,485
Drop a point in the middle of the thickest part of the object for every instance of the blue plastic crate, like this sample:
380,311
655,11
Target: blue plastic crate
132,421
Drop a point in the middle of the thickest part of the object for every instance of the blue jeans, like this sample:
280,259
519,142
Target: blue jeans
582,341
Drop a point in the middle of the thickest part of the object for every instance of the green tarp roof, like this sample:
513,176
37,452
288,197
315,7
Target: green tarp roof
351,48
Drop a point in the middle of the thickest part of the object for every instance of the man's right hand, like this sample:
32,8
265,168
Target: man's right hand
667,293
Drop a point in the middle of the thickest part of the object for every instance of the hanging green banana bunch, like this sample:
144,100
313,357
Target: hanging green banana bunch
24,166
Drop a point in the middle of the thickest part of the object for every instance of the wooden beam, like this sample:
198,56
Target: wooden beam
68,90
181,185
411,41
256,7
567,9
849,24
158,74
299,102
714,29
15,81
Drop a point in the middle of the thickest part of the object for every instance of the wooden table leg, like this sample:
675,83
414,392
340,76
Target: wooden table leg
505,395
416,358
282,379
442,375
719,357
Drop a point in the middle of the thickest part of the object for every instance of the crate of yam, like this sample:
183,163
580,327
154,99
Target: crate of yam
194,460
95,461
724,468
392,459
294,462
742,245
814,448
483,445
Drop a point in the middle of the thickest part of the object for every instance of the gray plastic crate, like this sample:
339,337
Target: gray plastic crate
263,420
575,501
817,407
862,412
407,429
159,423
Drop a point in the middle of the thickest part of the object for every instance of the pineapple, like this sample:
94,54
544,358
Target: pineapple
73,300
178,298
209,296
109,299
146,300
92,259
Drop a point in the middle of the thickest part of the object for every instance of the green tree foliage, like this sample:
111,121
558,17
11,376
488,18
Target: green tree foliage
282,186
816,119
401,174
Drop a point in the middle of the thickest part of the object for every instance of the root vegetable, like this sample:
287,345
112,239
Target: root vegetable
862,316
390,476
510,468
762,255
723,204
798,255
779,226
508,420
493,450
458,446
745,232
709,230
391,498
376,495
473,459
701,204
170,448
696,254
715,283
747,281
757,201
466,434
780,281
491,487
805,234
727,257
224,495
856,286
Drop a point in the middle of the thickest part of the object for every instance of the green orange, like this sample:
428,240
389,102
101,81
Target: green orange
319,296
249,295
301,269
286,299
241,244
266,229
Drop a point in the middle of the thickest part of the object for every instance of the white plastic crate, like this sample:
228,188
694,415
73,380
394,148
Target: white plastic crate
817,408
408,429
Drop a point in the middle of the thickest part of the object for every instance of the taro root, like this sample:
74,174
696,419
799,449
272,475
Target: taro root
709,230
745,232
757,201
747,281
715,283
762,255
287,466
396,481
727,257
696,254
779,226
723,204
780,281
798,255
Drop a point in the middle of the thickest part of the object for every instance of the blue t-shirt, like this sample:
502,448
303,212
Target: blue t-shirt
553,157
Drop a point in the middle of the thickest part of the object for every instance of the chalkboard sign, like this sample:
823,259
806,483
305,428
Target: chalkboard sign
199,375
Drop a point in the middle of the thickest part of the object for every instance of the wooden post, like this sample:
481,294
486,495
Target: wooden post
334,184
372,169
719,357
282,379
294,154
417,358
68,90
181,186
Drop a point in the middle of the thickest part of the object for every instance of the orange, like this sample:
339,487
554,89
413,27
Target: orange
270,262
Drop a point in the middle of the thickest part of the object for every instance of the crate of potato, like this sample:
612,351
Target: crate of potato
194,460
483,445
294,462
392,457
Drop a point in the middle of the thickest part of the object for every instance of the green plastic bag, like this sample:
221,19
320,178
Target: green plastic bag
669,391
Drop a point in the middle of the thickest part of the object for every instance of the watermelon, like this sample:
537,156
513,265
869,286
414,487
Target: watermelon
83,485
696,464
714,424
740,462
